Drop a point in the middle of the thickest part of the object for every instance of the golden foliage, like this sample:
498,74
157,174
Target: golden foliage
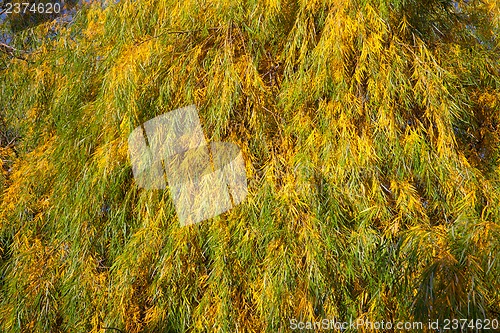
370,134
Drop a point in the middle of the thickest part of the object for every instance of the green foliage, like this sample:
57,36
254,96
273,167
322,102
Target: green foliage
370,134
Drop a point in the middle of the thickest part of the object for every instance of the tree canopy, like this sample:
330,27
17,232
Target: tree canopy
370,132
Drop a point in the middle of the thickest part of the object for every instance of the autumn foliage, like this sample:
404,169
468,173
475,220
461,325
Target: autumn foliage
370,132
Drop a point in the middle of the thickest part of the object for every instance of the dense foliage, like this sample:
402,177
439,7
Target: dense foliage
370,131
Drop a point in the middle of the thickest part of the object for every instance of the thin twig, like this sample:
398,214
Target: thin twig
10,51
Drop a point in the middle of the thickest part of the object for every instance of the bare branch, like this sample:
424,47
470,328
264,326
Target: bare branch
6,48
10,51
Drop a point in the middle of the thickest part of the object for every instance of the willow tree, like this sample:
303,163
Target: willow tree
370,135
